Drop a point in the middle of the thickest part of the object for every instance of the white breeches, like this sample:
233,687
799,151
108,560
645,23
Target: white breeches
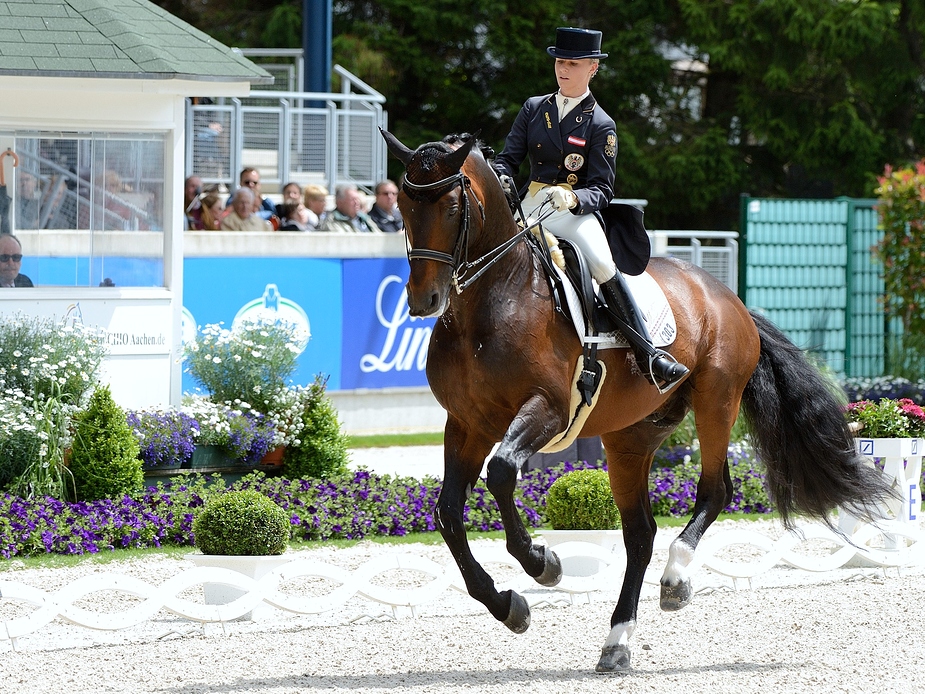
584,231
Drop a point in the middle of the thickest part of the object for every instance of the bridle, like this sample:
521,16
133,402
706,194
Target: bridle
458,261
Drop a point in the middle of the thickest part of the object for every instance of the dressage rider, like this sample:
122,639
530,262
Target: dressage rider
572,146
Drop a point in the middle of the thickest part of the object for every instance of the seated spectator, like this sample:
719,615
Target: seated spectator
10,262
294,216
192,187
212,211
291,191
242,216
385,209
348,215
315,199
250,178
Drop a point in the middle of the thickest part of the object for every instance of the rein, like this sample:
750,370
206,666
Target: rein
458,261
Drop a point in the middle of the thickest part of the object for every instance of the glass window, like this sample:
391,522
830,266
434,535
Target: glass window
88,208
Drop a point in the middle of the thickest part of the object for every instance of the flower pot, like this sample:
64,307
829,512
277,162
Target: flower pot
274,457
253,566
611,540
210,457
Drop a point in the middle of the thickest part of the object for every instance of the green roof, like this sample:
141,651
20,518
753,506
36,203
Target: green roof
129,39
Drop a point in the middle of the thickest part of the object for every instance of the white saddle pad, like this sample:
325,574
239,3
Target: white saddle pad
650,299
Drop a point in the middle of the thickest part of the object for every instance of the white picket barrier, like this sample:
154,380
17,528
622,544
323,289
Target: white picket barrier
877,546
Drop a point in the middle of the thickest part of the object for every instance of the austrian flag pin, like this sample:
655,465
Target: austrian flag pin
577,141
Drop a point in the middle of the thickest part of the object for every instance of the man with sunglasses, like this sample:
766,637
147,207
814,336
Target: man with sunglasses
10,262
250,179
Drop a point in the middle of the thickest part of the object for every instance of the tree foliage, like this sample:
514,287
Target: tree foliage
901,251
712,98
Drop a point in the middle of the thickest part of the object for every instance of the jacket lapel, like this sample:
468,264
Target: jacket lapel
580,116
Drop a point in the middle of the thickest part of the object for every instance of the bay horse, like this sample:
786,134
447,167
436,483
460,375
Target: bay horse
501,362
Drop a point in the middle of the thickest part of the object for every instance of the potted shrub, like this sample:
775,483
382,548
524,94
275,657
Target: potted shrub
243,531
580,508
319,449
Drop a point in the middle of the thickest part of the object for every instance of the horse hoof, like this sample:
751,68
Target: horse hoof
518,616
675,597
552,570
614,659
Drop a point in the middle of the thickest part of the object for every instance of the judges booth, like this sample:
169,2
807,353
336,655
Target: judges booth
92,131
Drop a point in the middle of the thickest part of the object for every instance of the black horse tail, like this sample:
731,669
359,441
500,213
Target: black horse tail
801,435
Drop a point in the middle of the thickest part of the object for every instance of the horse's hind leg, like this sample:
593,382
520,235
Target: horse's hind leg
463,463
533,426
714,492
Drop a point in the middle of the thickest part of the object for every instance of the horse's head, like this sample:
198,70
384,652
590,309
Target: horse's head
435,199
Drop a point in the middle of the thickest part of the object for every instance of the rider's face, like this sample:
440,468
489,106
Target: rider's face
574,76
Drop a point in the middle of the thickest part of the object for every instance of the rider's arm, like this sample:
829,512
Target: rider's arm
602,168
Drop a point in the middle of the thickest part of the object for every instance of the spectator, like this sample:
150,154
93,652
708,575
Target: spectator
10,262
212,211
27,201
242,216
250,178
385,209
315,199
291,191
348,215
294,216
192,187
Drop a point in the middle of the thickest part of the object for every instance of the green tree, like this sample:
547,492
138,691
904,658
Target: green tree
712,98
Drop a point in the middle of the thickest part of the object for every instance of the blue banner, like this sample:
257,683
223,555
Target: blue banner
382,346
305,291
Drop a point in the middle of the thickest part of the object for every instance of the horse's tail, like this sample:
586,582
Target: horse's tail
801,435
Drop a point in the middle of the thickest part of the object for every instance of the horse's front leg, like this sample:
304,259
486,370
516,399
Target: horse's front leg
463,460
533,427
629,459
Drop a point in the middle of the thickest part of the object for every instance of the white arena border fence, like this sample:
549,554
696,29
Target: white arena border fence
892,544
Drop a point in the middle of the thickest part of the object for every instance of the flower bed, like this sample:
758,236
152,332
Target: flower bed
354,505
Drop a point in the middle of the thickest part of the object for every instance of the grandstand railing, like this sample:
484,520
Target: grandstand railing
307,137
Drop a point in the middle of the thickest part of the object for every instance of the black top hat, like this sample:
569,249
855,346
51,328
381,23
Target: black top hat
576,44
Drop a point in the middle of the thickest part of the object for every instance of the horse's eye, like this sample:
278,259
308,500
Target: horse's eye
452,211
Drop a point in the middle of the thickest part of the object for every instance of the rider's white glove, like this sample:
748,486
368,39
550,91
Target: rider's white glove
562,198
507,184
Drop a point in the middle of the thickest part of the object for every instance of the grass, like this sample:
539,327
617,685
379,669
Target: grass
427,438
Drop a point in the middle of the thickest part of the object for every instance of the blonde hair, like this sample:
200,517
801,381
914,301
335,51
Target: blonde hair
314,192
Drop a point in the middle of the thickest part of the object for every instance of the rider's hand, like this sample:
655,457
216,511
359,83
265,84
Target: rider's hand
562,198
507,184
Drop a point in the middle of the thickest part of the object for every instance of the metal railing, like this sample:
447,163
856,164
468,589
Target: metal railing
717,252
306,137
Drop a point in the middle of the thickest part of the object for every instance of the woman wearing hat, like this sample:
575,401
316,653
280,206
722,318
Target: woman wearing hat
572,146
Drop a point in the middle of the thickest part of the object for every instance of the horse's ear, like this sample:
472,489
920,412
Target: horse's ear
402,153
455,160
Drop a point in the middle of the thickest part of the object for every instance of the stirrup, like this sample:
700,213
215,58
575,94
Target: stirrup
661,385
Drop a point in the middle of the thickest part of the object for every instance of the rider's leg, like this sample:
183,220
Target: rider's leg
664,368
586,232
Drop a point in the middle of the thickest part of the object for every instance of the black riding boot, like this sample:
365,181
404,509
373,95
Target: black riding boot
664,369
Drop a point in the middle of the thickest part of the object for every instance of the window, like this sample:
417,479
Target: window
89,207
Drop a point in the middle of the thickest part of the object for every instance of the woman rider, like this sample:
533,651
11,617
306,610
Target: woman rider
572,146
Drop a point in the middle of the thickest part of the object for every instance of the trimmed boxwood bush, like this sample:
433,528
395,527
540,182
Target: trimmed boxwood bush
241,523
321,452
104,457
581,500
